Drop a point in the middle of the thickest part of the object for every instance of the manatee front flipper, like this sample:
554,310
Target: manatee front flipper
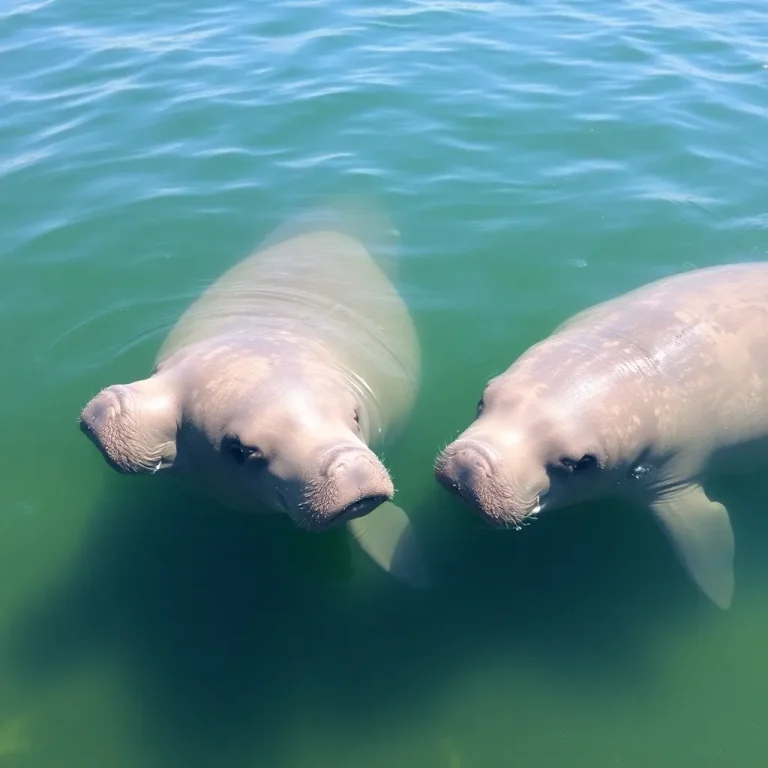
700,531
387,537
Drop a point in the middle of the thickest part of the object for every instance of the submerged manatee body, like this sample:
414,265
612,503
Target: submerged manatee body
275,387
639,397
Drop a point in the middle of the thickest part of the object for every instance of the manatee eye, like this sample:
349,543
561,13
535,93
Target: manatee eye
480,406
578,465
239,452
357,417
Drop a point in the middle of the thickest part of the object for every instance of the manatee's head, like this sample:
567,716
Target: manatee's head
526,451
253,431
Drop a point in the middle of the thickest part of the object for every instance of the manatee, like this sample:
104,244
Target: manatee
640,397
276,388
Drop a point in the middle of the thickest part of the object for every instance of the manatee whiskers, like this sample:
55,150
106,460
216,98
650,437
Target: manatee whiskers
520,522
511,517
305,521
319,498
438,457
383,459
152,464
441,452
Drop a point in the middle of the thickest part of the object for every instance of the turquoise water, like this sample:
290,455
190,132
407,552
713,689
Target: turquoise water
535,158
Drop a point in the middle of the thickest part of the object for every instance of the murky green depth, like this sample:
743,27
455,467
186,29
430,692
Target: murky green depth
535,158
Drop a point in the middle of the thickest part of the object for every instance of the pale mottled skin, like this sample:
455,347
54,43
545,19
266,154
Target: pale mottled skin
304,351
661,386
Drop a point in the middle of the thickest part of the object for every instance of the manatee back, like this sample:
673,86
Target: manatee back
698,339
721,294
319,288
360,220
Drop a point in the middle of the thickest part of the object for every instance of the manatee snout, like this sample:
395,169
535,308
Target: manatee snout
461,468
476,473
100,410
352,482
98,421
133,426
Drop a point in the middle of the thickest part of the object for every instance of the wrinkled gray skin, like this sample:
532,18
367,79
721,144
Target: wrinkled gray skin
274,386
639,397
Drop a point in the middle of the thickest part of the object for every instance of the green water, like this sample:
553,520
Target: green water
535,158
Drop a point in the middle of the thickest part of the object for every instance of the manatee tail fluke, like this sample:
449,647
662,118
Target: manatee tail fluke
387,537
701,533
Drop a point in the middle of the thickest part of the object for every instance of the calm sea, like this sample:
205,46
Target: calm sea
535,157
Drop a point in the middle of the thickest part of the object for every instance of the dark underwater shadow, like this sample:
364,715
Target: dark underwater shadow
592,590
574,594
746,498
216,619
201,610
222,621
